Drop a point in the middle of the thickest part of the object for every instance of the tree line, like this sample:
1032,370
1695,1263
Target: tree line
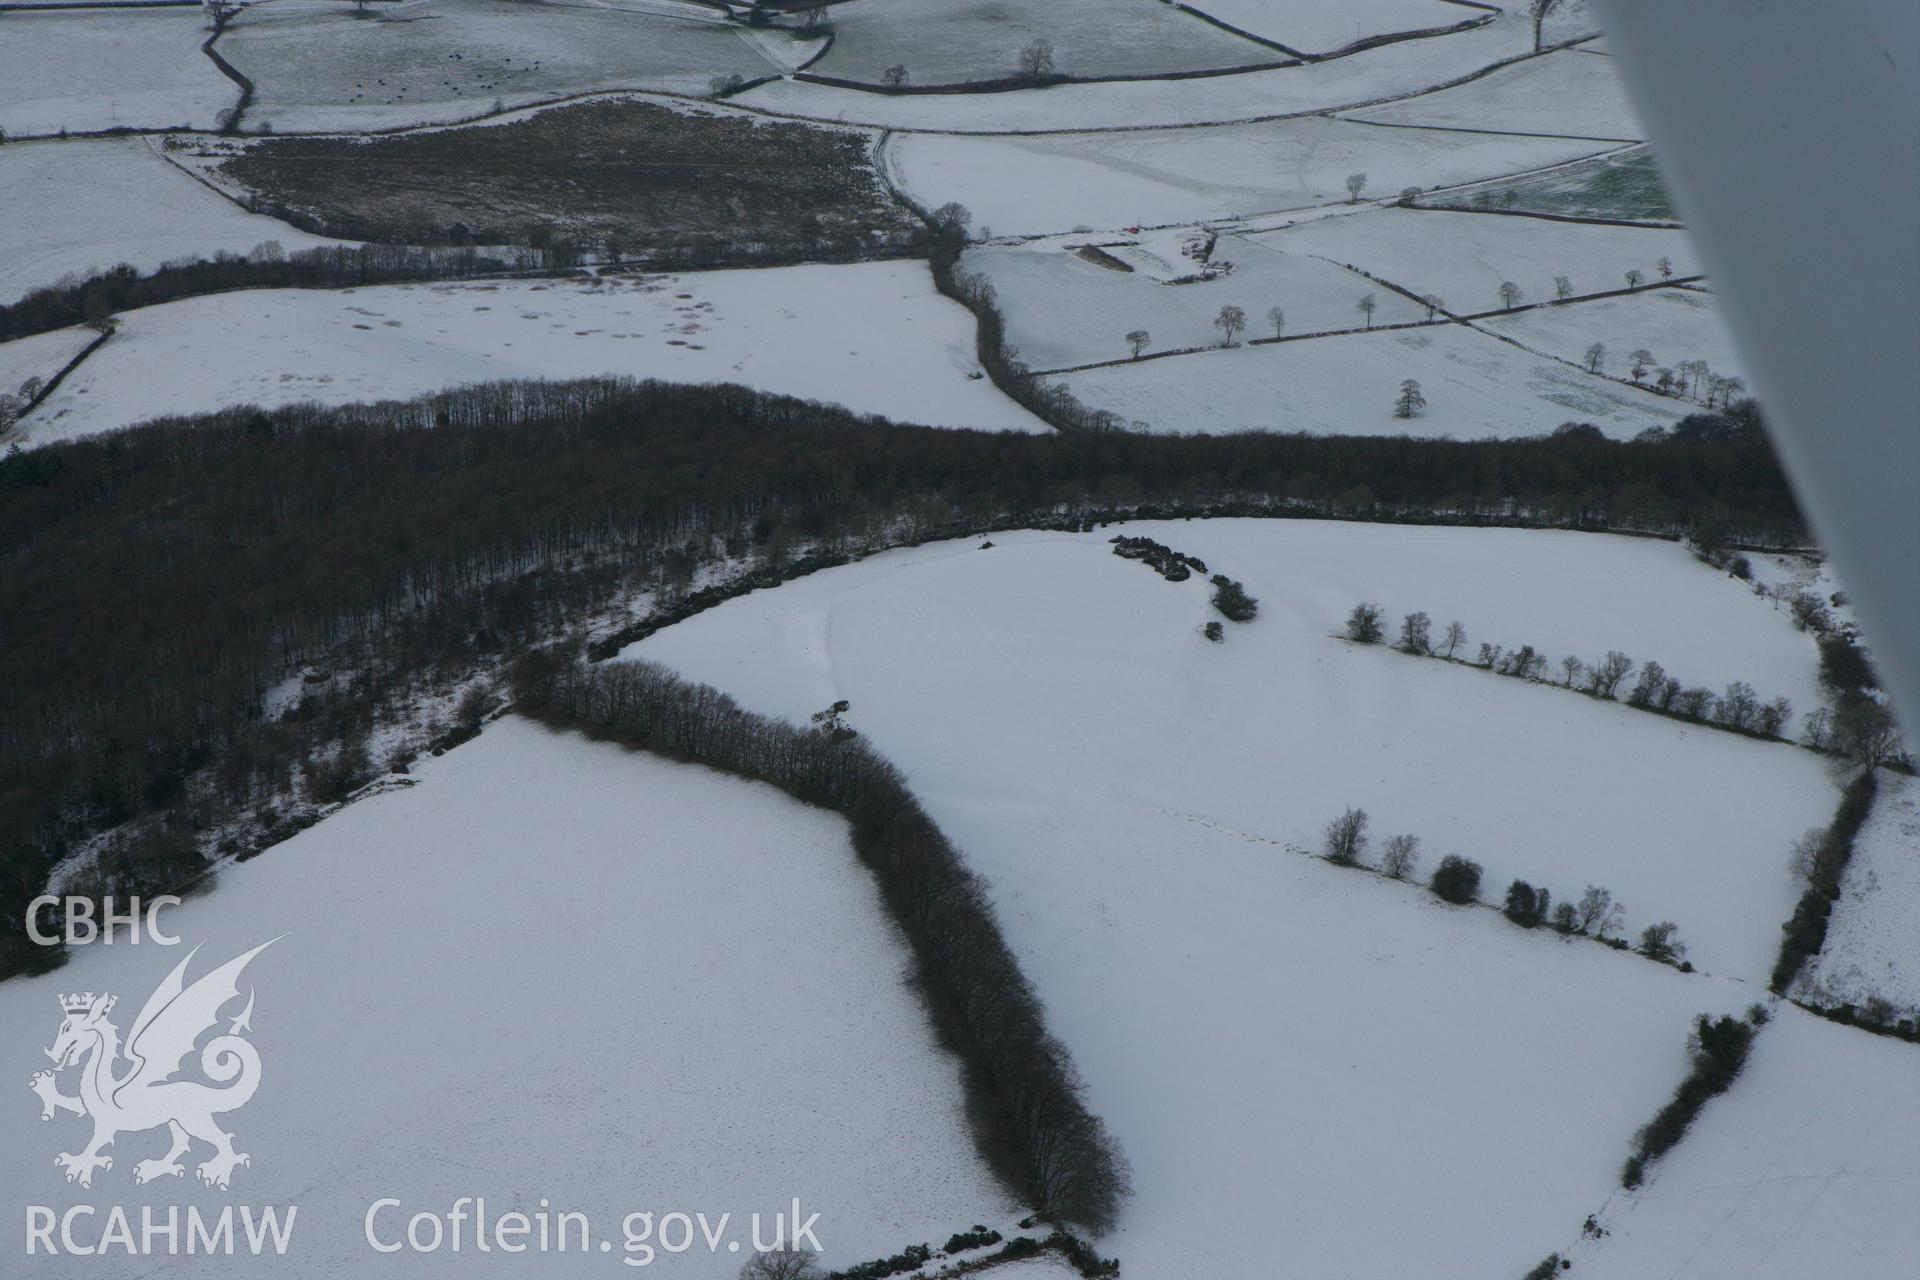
1456,880
268,266
1856,727
1023,1090
155,584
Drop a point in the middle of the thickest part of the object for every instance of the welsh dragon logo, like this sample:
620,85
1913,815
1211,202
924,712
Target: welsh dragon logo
146,1094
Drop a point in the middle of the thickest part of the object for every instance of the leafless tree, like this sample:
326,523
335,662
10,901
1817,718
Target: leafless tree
1433,305
1356,183
1864,732
1455,637
1366,307
1805,853
1595,355
1691,704
1036,59
1347,837
1407,197
895,75
1562,288
1229,322
1604,676
1278,319
1637,362
1817,729
1597,912
952,219
1399,855
1416,634
1540,11
1634,278
1408,403
1773,717
1570,668
1509,294
1138,339
1647,690
1662,942
782,1264
1364,625
1665,267
1739,706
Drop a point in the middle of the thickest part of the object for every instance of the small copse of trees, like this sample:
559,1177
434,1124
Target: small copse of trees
1232,600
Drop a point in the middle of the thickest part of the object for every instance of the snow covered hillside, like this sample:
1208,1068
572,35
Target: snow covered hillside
76,70
1873,944
1474,384
551,968
1022,185
1142,800
1804,1169
67,206
874,337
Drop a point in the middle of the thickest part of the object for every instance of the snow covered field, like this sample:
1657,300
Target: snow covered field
1026,185
70,69
68,211
320,68
41,356
1675,325
1566,92
956,41
1323,26
1407,67
1804,1169
1873,940
1062,310
680,1038
874,337
1131,789
1475,386
1464,257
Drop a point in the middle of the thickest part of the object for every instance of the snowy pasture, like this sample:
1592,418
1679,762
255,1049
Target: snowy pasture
1474,384
551,968
1565,92
874,337
1027,185
1674,325
40,356
1805,1168
70,69
1326,26
71,208
1873,940
1464,257
1062,310
320,68
956,41
1374,75
1288,1050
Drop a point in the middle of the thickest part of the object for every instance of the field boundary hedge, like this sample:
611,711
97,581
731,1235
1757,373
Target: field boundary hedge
1024,1095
